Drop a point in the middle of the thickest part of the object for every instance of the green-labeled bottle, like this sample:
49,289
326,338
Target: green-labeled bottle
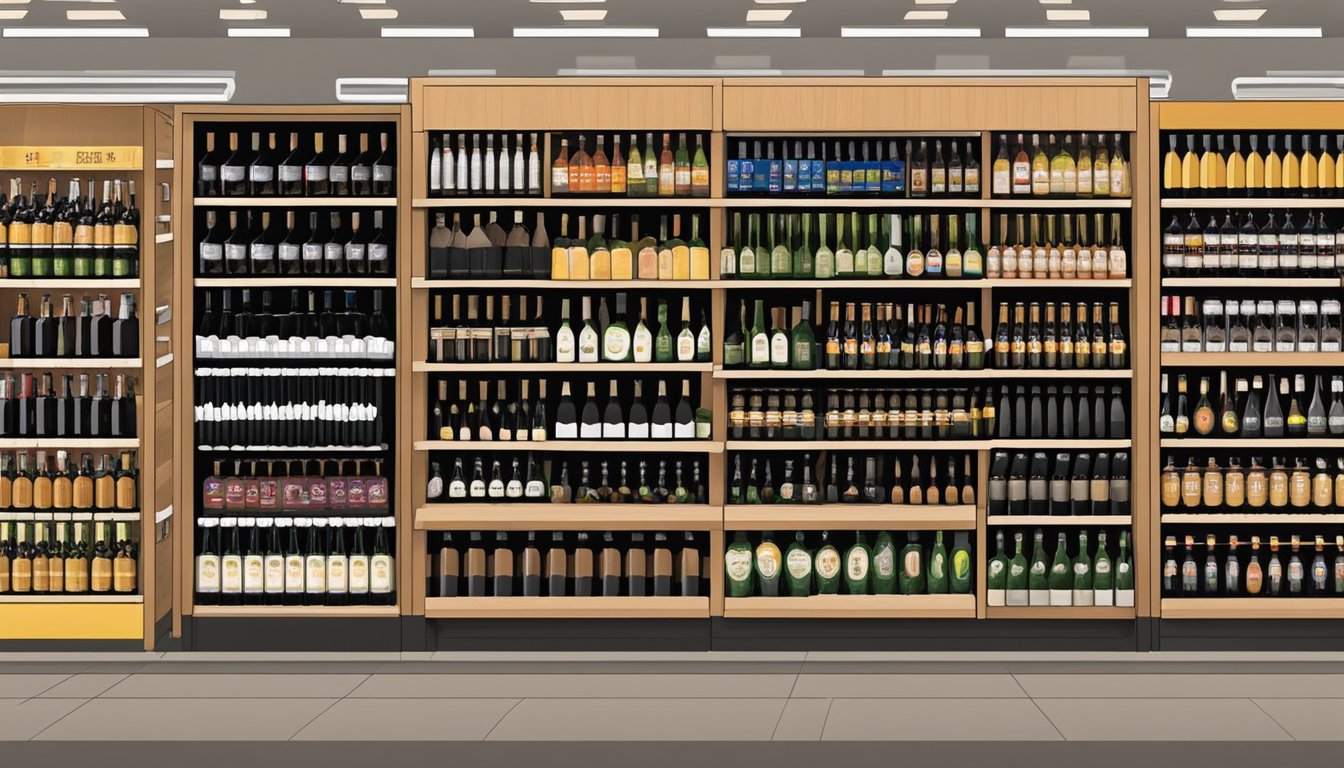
884,565
1124,574
1038,578
1082,572
781,261
1103,578
1061,574
961,563
913,579
802,341
737,566
767,565
798,563
858,563
938,566
827,567
802,252
1016,582
662,341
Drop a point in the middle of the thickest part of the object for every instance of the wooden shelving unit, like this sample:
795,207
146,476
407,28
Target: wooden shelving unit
1254,518
1252,359
559,517
917,375
1084,521
852,607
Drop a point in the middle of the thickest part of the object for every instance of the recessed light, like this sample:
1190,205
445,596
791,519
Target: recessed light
1056,2
909,31
429,31
241,14
13,15
76,32
378,13
753,32
1075,32
567,2
1253,32
1239,14
934,2
360,2
585,31
13,2
258,31
94,16
778,2
926,15
769,14
581,14
1060,14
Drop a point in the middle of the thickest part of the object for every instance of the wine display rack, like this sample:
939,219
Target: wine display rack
61,145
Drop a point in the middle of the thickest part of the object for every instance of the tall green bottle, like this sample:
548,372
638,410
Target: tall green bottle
938,566
1103,578
1124,574
767,565
1082,572
802,252
827,567
737,566
1061,574
1038,579
858,563
996,578
913,579
798,563
1018,580
961,563
884,565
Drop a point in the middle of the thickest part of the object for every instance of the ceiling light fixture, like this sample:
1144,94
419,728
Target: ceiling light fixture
117,88
1288,88
1253,32
769,14
375,14
1056,2
373,90
241,14
583,14
1062,14
258,31
1075,32
429,31
567,2
935,2
909,31
13,15
753,32
94,16
585,31
58,32
926,15
1239,14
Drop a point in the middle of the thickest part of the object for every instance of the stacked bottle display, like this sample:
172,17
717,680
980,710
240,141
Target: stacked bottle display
637,480
1252,484
1015,255
939,167
68,558
813,565
292,325
567,564
1262,244
1303,165
1062,484
1253,406
1093,166
1075,573
1212,324
482,249
1278,563
58,333
675,170
31,484
75,236
266,243
459,168
305,160
772,479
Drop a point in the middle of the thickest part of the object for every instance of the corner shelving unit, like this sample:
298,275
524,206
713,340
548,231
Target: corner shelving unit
134,143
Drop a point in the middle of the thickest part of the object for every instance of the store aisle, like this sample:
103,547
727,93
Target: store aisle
672,697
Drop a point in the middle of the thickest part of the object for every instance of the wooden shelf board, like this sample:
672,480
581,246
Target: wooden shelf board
531,517
420,366
567,608
1250,282
851,607
1252,359
491,285
55,442
294,611
566,201
900,517
1059,612
64,284
1035,284
1252,202
1050,445
294,448
926,203
58,599
1275,442
1252,608
245,281
91,363
859,445
784,284
574,446
294,202
898,374
1251,518
1095,521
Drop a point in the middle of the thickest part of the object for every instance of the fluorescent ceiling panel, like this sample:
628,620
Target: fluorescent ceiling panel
583,14
1075,32
909,31
935,2
766,2
567,2
429,31
1253,32
241,14
1056,2
59,32
378,13
585,31
1238,14
96,88
13,15
769,14
926,15
1061,14
753,32
94,16
258,31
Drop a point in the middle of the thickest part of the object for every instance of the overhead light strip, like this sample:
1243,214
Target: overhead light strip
1288,88
910,32
1075,32
753,32
58,32
429,31
115,89
585,32
1277,32
258,31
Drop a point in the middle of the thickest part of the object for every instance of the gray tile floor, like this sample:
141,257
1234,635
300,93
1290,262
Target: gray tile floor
671,697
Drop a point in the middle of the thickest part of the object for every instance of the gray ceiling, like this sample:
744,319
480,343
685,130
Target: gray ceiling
675,18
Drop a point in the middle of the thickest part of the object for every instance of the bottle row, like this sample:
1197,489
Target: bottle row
500,564
931,414
1218,171
290,408
879,569
1055,169
455,169
864,481
58,558
1254,411
1079,484
1243,248
296,487
550,479
266,244
306,168
1263,325
921,170
1078,576
1013,257
95,333
30,407
1279,488
674,172
293,329
1027,344
69,237
1224,573
69,487
295,561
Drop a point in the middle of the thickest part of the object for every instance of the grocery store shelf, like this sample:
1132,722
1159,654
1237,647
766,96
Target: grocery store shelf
924,203
1045,444
1252,608
574,446
1251,518
293,611
1276,203
295,202
781,283
1251,282
89,363
564,201
72,599
1059,612
567,608
1293,443
838,283
1035,284
247,281
293,448
898,374
420,366
851,607
1097,521
569,517
1252,359
813,517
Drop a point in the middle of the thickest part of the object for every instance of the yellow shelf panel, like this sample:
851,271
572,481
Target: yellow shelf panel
72,621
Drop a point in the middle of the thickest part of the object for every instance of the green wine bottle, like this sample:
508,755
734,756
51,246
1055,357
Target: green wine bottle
1038,579
827,567
884,565
1103,579
1124,574
858,561
1082,572
913,579
802,251
961,563
738,566
798,562
1061,576
802,341
1016,583
938,566
662,341
781,260
767,565
996,579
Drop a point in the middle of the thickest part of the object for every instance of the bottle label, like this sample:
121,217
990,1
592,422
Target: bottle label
737,564
760,348
207,573
767,564
315,172
231,573
382,172
828,563
336,574
884,562
289,252
315,578
359,574
380,574
274,576
361,173
212,252
291,173
857,565
339,173
377,252
235,252
293,574
616,344
261,173
254,568
263,252
312,251
799,563
233,172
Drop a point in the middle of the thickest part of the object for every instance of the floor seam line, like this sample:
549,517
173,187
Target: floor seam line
1037,705
486,737
827,719
788,698
328,708
48,688
59,719
1256,704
